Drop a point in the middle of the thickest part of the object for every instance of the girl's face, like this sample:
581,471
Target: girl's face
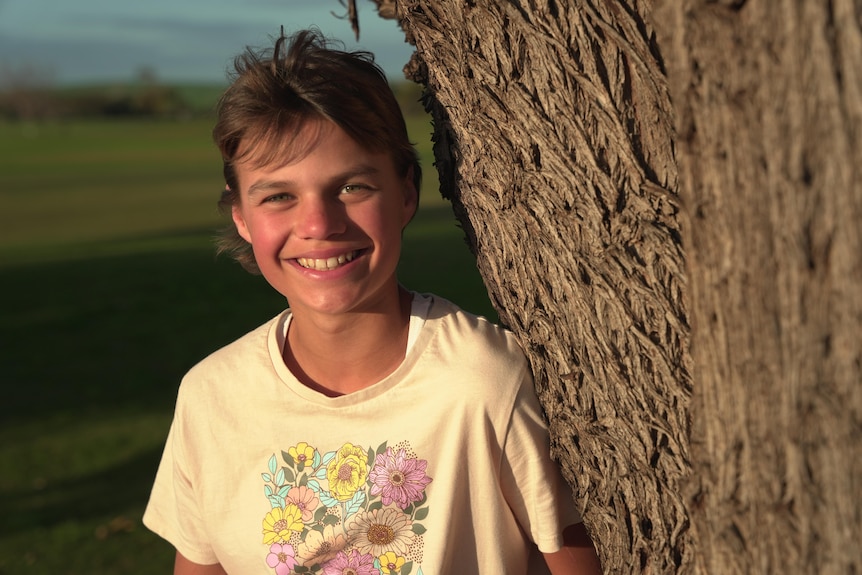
326,228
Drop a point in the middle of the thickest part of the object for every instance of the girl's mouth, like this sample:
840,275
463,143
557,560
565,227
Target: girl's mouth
327,264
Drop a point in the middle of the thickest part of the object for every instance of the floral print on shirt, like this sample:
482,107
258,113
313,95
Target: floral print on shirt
354,510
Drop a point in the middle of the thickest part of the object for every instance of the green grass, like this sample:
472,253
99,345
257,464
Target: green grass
112,291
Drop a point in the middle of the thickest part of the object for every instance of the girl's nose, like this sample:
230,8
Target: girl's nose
320,218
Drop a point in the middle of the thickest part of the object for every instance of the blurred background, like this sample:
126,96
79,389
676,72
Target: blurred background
111,288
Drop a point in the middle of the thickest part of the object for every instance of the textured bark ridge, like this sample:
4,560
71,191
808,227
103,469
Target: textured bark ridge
553,134
768,97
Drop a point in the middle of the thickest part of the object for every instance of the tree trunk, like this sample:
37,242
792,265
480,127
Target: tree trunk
694,335
769,113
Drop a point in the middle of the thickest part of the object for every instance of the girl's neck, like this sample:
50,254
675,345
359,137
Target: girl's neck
351,353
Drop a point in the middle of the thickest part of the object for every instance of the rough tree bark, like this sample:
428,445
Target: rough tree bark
694,333
769,112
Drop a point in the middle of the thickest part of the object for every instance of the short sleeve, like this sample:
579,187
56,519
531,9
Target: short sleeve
172,511
531,480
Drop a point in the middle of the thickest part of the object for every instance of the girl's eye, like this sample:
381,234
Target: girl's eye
353,188
276,198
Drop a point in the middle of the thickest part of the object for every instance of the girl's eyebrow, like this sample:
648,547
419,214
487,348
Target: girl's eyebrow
359,170
263,186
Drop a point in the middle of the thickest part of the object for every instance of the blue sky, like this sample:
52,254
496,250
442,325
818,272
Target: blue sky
78,41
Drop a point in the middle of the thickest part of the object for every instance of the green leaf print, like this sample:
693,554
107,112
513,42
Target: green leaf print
326,459
320,513
354,504
331,520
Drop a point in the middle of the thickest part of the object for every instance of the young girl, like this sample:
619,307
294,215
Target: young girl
368,429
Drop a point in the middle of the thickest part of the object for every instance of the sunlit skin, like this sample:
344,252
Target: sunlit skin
342,207
577,556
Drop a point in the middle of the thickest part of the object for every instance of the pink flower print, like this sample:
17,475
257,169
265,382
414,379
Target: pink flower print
305,499
282,558
398,479
352,564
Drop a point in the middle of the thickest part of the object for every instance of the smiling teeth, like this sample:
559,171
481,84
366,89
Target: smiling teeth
326,264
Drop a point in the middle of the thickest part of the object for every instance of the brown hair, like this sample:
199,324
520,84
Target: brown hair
274,93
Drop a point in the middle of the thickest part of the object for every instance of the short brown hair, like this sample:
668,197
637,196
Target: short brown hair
276,92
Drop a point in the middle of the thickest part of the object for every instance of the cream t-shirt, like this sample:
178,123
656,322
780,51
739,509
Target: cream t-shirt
440,468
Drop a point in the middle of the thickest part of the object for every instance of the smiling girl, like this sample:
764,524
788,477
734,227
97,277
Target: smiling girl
366,429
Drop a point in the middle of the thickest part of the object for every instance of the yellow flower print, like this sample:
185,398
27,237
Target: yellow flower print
281,522
302,453
390,563
348,472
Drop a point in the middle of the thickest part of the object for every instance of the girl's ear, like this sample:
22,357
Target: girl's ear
411,198
239,222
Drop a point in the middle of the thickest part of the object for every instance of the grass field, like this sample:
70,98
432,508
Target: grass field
111,292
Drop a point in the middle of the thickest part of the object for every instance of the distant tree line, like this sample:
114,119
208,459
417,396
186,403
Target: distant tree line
28,93
43,103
